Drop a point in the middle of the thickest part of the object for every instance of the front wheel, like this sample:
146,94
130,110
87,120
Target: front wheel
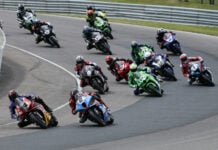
96,117
38,118
54,42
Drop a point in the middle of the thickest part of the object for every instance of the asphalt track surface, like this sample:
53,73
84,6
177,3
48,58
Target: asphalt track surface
139,121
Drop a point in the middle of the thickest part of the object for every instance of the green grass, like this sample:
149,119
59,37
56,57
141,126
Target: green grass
202,4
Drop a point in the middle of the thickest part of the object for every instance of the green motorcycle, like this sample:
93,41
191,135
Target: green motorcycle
147,83
99,23
142,51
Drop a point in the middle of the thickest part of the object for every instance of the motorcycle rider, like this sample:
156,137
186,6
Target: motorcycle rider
21,11
12,95
132,75
150,59
91,16
95,11
37,29
87,35
75,95
80,63
111,65
185,62
135,49
160,34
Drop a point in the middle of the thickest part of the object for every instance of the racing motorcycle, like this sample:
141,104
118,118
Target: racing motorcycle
94,78
147,83
161,66
170,43
28,21
95,111
101,43
204,77
99,23
122,68
101,13
49,35
142,53
34,113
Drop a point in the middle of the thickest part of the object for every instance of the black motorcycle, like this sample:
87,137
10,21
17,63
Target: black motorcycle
101,43
49,35
94,78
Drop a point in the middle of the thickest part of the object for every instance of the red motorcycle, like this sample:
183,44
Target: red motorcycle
122,68
33,112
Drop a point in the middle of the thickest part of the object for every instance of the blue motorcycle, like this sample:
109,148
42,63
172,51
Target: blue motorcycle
95,111
170,43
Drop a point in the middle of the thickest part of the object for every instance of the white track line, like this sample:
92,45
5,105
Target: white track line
52,63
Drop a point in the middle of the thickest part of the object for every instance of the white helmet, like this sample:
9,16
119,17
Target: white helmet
147,55
161,30
79,59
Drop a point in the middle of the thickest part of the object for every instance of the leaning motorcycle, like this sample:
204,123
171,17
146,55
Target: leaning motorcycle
101,43
34,113
204,77
162,67
28,20
170,43
122,68
95,111
49,35
94,78
142,52
147,83
99,23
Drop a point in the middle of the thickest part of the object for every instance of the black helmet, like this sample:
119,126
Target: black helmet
21,7
89,7
134,44
73,94
12,94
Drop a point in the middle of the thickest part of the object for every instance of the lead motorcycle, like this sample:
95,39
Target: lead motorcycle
94,78
28,21
49,35
170,43
34,113
204,77
95,111
101,43
147,83
161,66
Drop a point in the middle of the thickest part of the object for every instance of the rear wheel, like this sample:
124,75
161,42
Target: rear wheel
207,77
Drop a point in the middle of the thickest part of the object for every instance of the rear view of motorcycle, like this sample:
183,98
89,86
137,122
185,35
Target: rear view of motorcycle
31,112
204,77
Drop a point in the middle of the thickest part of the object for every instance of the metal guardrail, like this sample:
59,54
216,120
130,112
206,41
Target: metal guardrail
170,14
